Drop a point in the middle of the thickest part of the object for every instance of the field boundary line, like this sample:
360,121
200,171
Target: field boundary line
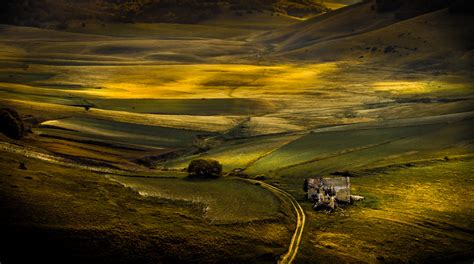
340,153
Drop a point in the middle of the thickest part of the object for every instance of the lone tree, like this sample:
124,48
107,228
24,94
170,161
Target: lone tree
11,124
204,168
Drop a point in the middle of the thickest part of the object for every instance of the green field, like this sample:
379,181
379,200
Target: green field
222,201
319,154
125,133
238,154
201,107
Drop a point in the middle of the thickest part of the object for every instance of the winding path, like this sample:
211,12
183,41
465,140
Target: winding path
290,255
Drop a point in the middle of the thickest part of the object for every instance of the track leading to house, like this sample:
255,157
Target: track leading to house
290,255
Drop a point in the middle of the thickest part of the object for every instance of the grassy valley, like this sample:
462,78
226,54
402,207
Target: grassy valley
115,112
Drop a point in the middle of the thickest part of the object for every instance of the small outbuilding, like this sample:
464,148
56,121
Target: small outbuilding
326,193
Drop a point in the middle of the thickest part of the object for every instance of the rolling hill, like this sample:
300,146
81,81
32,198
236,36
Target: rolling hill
427,41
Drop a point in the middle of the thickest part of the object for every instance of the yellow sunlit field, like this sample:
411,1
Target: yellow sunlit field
116,112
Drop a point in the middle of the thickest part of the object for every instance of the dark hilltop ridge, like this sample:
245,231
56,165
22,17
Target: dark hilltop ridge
47,13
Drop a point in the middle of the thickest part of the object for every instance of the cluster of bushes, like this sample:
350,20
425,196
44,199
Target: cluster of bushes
292,7
168,11
204,168
193,11
51,14
11,124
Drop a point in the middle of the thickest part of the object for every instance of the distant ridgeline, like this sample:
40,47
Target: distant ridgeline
47,13
410,8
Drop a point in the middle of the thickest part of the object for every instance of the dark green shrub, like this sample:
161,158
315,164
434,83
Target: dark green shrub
11,124
204,168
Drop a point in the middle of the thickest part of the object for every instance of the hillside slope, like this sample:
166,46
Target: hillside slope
436,40
350,20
